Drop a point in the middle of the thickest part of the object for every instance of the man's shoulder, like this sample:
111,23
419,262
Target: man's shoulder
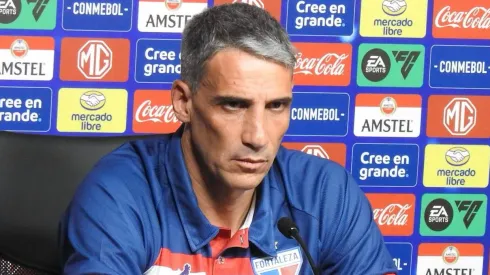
117,204
135,152
310,182
127,170
302,169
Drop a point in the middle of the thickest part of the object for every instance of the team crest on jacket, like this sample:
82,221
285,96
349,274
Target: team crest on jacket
287,262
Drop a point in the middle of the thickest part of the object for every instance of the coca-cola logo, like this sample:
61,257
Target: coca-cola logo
329,64
476,18
393,214
155,113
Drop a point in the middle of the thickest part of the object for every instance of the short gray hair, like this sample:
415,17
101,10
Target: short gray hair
240,26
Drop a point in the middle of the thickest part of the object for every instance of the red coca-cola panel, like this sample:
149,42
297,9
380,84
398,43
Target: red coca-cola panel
153,112
323,64
393,213
461,19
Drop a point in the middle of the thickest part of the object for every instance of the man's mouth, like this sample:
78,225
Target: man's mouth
251,165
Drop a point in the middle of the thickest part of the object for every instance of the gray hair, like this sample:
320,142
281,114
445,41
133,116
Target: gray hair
240,26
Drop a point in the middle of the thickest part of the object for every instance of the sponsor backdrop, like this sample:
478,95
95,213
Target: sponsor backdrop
396,91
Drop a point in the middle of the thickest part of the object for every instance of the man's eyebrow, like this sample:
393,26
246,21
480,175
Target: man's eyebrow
225,99
284,100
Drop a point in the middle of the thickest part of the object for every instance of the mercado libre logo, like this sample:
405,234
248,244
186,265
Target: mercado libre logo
393,213
463,166
332,151
92,110
390,65
153,112
272,6
393,18
461,19
453,215
28,14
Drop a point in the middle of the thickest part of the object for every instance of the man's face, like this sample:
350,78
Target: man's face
239,116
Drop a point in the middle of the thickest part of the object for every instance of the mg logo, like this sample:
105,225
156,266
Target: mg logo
257,3
315,150
94,59
459,116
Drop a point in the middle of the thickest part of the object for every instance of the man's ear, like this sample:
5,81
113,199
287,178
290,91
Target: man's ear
181,100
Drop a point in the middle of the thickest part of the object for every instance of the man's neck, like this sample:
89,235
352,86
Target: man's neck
223,209
221,206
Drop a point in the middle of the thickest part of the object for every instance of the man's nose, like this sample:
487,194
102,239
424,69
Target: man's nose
254,133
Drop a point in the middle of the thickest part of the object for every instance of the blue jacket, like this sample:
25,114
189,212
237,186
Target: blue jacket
136,213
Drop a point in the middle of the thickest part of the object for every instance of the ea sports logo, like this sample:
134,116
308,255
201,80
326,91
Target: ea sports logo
10,11
94,59
375,65
459,116
315,150
438,215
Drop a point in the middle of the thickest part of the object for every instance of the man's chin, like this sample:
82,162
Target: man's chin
245,181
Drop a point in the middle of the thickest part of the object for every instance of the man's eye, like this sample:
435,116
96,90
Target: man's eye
277,105
233,105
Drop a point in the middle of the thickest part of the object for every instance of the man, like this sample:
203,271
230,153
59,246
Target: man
206,199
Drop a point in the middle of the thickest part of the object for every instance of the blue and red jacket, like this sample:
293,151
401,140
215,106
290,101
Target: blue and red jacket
136,213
